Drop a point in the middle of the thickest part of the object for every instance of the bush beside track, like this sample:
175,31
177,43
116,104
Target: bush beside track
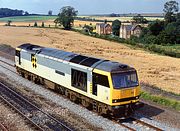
161,100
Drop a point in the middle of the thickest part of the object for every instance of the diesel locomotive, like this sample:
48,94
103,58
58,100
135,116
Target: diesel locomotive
104,86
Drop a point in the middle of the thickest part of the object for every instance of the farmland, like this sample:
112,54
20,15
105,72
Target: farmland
119,18
153,69
26,20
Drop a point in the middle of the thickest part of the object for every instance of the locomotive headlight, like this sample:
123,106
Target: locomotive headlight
114,101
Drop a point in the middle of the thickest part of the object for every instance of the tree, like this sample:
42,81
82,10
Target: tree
170,8
26,13
9,23
66,17
140,19
50,12
105,21
6,12
42,24
178,18
88,28
116,24
35,24
56,21
156,27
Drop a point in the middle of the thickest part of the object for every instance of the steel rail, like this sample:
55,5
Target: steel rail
3,127
146,124
17,110
58,122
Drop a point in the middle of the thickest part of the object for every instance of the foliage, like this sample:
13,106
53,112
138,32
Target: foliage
169,50
9,23
170,8
156,27
116,24
42,25
26,13
140,19
6,12
164,32
50,12
66,17
169,17
88,28
161,100
35,24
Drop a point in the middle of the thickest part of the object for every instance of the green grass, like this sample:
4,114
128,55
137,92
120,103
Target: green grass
27,18
161,100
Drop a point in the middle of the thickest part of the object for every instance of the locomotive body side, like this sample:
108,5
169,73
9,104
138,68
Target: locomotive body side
93,86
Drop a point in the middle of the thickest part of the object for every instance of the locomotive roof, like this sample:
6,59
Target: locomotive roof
96,63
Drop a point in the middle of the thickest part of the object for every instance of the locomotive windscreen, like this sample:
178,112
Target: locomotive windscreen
125,80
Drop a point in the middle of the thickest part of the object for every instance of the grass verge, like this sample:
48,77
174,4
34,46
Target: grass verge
161,100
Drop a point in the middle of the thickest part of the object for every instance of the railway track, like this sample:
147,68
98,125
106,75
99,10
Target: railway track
135,124
40,119
130,123
2,127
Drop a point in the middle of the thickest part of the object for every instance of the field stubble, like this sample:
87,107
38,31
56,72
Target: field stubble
153,69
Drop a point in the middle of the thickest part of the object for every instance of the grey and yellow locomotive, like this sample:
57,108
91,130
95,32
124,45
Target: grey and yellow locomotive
105,86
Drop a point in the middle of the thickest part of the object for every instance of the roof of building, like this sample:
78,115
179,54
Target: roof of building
102,25
131,27
96,63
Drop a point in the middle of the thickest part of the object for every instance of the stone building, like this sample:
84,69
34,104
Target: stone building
103,28
127,30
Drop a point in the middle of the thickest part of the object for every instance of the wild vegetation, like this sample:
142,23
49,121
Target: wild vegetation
66,17
161,100
163,32
6,12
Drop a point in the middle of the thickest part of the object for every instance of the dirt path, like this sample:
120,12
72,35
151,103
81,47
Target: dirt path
156,70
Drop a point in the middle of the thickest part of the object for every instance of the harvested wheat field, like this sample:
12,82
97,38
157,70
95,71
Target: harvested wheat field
156,70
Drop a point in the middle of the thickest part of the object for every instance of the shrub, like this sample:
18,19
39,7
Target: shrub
35,24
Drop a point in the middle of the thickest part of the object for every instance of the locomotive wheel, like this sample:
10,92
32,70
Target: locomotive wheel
73,98
100,111
85,103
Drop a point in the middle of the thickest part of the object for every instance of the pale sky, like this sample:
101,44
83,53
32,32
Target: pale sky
87,6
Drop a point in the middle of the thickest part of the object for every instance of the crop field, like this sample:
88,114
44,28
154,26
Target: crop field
119,18
153,69
27,18
48,20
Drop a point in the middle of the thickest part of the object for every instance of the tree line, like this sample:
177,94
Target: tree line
165,32
6,12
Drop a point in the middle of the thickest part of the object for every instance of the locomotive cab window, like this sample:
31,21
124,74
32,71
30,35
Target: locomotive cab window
125,80
79,79
100,79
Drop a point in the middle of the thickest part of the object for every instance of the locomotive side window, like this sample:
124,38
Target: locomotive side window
100,79
18,55
79,79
